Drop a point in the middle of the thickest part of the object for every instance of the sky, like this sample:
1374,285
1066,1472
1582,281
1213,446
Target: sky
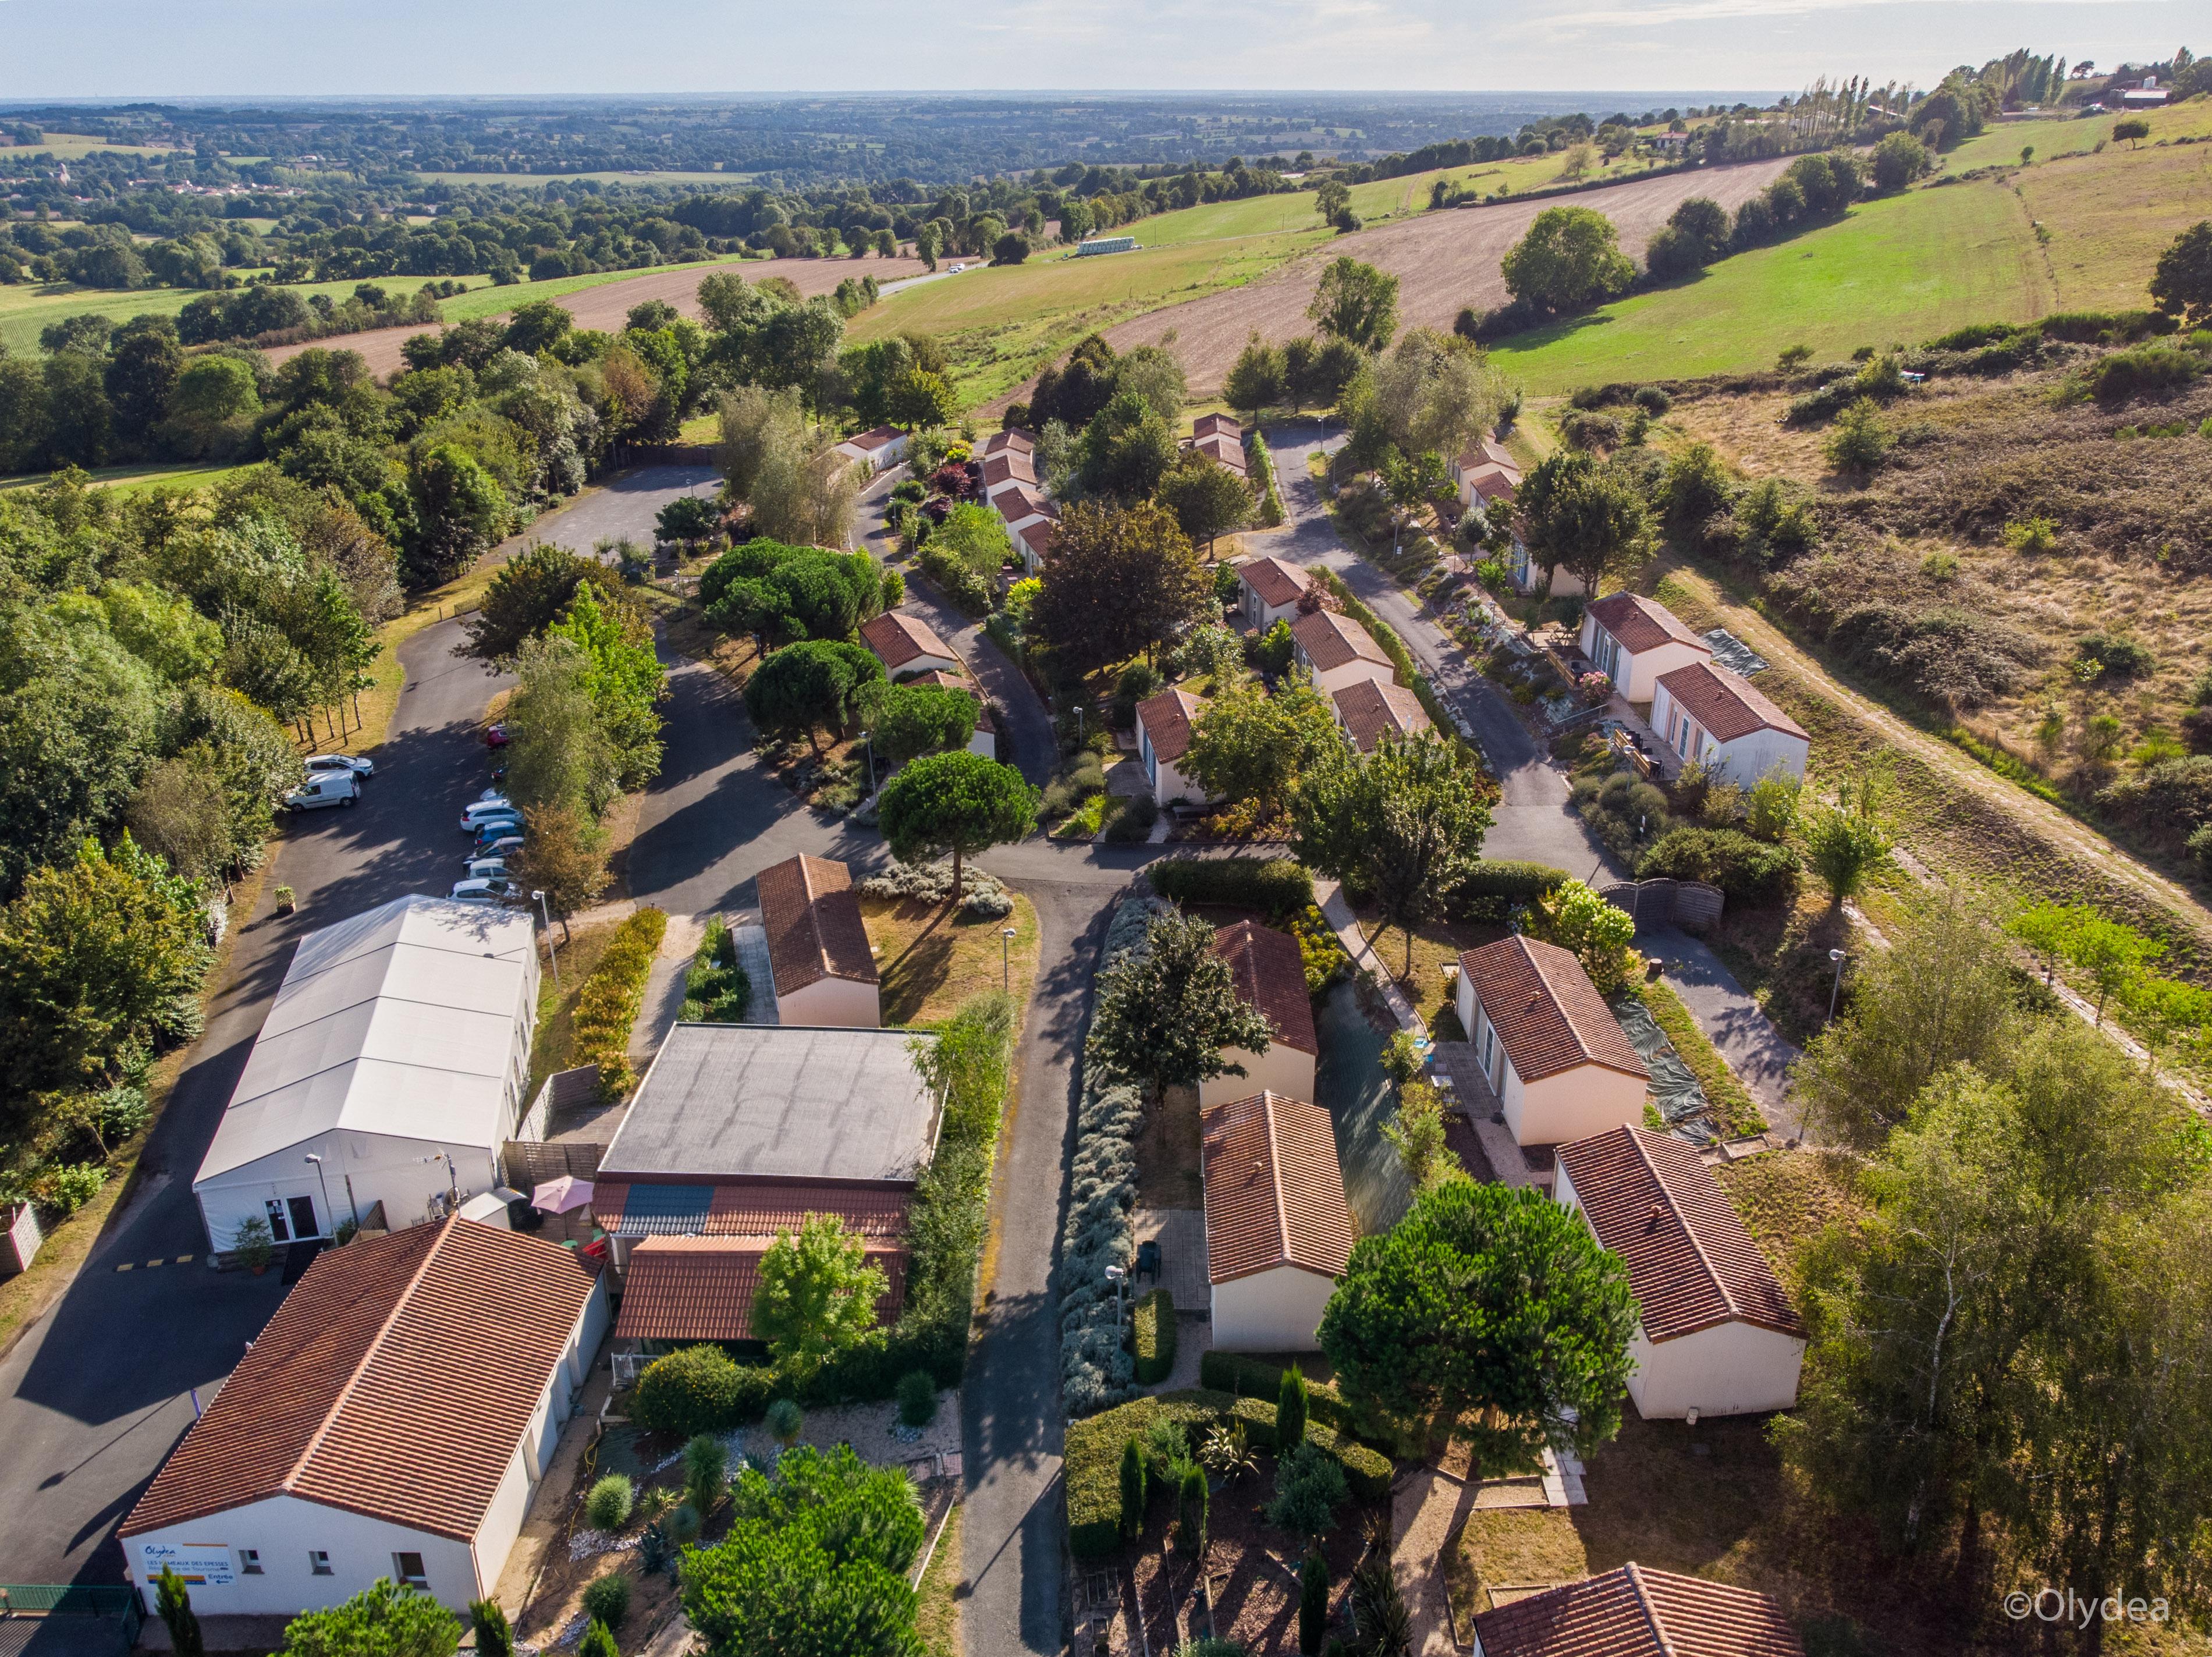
305,48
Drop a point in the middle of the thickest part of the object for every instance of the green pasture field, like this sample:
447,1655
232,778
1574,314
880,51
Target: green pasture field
1002,323
2109,217
2000,144
1902,269
74,146
130,480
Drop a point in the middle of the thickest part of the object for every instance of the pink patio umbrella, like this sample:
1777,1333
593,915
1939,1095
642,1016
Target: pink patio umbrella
559,1196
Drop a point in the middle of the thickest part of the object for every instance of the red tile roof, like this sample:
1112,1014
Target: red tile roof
1548,1014
1725,705
1636,1612
1651,1200
937,679
1277,581
1014,467
1641,625
1492,482
760,1208
1372,711
1270,975
702,1289
395,1380
1489,453
898,639
1168,719
880,437
813,918
1017,503
1206,424
1038,537
1225,451
1331,640
1275,1191
1009,442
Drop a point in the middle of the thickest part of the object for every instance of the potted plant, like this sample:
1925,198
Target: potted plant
253,1244
286,900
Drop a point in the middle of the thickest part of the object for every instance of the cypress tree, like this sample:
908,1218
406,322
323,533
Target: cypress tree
174,1602
1291,1411
1193,1506
495,1638
1313,1603
1133,1490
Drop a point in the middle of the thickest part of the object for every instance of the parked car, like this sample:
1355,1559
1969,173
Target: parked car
493,830
502,843
497,736
482,811
483,869
341,762
324,788
497,890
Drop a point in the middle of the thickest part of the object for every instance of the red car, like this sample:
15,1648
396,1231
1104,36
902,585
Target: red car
495,736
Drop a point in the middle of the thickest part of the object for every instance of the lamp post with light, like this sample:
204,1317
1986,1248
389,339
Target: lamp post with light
1006,957
323,1180
551,954
1836,988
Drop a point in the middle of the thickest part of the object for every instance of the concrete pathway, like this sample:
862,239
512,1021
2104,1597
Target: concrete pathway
1426,1509
1338,913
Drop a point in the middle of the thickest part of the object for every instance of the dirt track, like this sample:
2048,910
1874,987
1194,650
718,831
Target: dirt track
606,306
1443,261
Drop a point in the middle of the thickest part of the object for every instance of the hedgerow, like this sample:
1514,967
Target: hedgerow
607,1005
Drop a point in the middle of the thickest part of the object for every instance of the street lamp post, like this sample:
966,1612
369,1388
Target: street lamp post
1120,1279
1006,957
324,1181
1835,989
552,953
869,737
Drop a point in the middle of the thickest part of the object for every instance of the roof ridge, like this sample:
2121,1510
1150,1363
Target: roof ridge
814,914
399,1303
1635,1136
1275,1175
1651,1612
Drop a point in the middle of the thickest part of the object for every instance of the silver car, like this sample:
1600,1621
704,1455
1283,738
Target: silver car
341,762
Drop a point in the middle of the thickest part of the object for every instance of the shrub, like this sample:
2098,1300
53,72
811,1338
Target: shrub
1497,885
609,1505
1132,1489
1096,1448
1654,400
706,1475
917,1398
785,1422
2139,372
607,1600
984,894
1290,1410
1154,1326
598,1640
1749,871
1861,439
1273,886
607,1005
699,1389
950,574
2032,535
715,984
1133,824
1309,1487
2122,658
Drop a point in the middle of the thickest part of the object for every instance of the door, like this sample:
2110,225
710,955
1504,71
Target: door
300,1210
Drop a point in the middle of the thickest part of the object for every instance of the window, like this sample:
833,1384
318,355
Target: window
318,1563
408,1568
280,1229
249,1562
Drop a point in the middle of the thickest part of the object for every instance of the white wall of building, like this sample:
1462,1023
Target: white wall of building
1277,1309
397,1172
1261,616
1352,673
1169,784
831,1003
925,663
1744,761
283,1530
1635,674
1281,1069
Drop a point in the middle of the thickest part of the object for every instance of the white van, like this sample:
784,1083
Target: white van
480,811
325,788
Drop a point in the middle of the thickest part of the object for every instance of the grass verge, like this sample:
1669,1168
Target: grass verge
937,1617
933,959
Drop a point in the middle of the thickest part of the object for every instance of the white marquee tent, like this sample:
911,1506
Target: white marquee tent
391,1070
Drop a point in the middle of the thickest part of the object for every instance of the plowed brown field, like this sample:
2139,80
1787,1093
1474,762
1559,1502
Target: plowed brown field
1443,261
606,306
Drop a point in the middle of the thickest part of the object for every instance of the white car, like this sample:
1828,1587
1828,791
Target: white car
341,762
483,869
480,812
324,788
497,890
956,270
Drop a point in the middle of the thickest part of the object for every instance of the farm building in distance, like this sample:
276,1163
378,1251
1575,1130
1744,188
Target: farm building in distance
1107,245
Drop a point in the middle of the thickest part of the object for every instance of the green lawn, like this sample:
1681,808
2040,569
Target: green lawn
1001,324
130,480
1905,268
72,146
2072,135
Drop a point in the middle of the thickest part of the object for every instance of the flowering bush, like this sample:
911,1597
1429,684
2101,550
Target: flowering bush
1594,689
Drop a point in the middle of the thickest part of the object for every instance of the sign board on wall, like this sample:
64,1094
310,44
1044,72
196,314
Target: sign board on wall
202,1565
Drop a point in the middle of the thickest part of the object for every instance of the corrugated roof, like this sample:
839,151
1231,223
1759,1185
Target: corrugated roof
786,1102
1274,1190
897,639
400,1020
1651,1200
1276,581
1270,975
1636,1612
743,1208
813,918
702,1289
1549,1015
1331,640
395,1380
1372,710
1168,719
1725,704
1640,624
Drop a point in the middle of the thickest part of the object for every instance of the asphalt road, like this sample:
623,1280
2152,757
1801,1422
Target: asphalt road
93,1395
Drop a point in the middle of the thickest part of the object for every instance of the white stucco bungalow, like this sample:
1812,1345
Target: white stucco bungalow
818,954
1632,640
1164,724
906,645
1557,1060
1715,1331
392,1420
1722,721
1269,590
390,1070
1336,650
1279,1232
879,450
1270,974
